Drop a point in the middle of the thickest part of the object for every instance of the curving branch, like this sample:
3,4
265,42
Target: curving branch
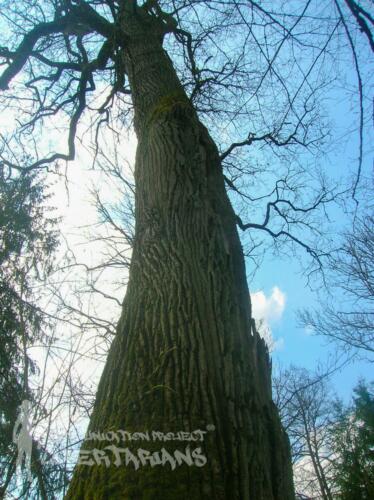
276,206
362,18
268,138
361,100
277,234
77,16
86,78
20,56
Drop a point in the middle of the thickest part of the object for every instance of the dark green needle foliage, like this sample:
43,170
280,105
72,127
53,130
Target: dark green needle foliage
354,445
27,242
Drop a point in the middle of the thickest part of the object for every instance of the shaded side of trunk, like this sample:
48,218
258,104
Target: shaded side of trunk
186,355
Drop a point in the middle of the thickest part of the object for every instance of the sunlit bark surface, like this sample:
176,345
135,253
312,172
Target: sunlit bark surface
186,355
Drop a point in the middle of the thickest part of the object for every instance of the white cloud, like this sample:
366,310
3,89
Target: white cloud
270,308
267,310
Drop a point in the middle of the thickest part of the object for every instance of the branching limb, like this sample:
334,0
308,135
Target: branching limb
268,138
363,18
361,100
287,219
86,83
277,234
83,14
20,56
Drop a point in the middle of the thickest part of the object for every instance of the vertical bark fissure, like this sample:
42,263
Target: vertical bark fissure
185,354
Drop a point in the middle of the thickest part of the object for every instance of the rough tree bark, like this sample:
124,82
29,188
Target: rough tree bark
186,355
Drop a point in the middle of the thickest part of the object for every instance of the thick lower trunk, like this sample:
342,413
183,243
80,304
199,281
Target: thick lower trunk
186,355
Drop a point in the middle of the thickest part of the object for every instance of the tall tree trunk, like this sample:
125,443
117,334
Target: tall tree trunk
186,355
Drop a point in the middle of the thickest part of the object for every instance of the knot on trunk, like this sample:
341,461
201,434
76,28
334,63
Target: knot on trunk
168,104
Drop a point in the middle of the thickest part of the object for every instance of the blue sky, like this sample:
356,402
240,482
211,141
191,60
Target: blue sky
340,161
299,347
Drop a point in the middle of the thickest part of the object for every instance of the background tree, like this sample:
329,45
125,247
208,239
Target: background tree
305,403
331,442
351,325
353,440
28,243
